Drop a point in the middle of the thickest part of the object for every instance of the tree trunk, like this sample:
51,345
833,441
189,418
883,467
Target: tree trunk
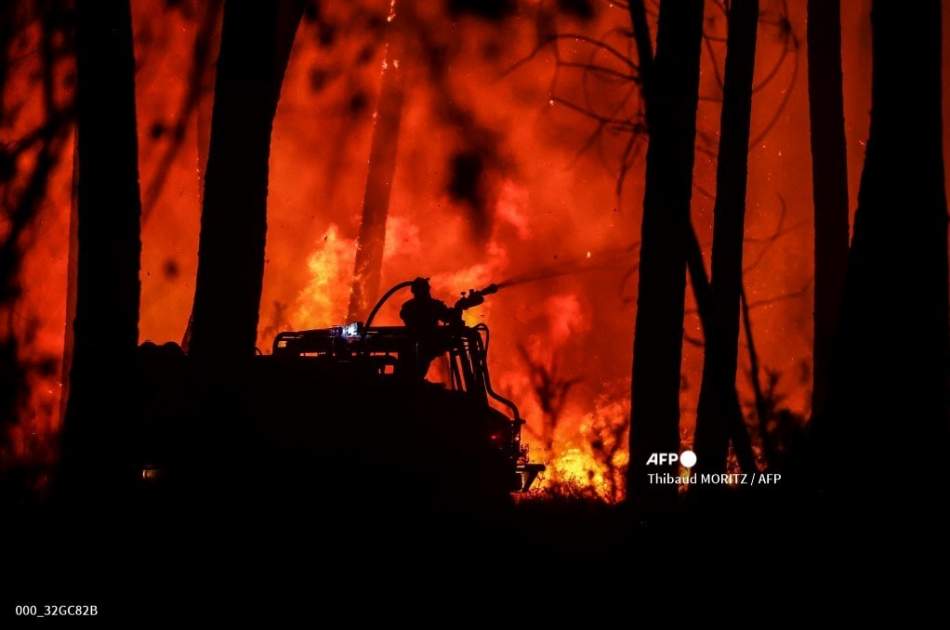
889,394
97,432
379,180
702,293
658,335
722,339
72,269
256,40
829,168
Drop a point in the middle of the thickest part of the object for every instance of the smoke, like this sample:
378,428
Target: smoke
468,184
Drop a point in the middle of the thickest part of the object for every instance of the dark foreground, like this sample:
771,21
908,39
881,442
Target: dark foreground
308,556
269,494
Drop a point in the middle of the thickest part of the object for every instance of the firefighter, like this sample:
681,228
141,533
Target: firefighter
422,315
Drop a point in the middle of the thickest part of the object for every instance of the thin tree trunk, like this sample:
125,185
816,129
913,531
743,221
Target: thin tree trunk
889,396
98,425
720,358
256,40
641,38
202,65
379,180
829,168
72,268
658,336
761,409
206,103
702,293
203,131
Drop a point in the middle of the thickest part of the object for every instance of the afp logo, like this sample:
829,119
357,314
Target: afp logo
687,459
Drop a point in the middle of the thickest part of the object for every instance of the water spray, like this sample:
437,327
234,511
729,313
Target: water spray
607,259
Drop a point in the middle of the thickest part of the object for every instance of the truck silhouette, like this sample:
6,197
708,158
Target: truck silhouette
342,411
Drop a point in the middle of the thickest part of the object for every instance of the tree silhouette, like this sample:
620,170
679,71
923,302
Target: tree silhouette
889,390
658,336
97,453
717,403
379,178
550,389
829,168
702,293
256,40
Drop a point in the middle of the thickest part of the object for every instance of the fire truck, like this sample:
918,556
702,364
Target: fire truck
386,359
343,410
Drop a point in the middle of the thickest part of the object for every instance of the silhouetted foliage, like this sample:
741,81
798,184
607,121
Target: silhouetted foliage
783,427
550,390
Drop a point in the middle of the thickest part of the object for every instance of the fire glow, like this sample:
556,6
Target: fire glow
490,184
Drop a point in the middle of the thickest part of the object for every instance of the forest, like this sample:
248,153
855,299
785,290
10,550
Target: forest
708,237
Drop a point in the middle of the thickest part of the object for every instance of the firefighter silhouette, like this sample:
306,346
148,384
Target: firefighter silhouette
422,315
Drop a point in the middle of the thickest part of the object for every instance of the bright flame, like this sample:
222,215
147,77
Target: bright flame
323,301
